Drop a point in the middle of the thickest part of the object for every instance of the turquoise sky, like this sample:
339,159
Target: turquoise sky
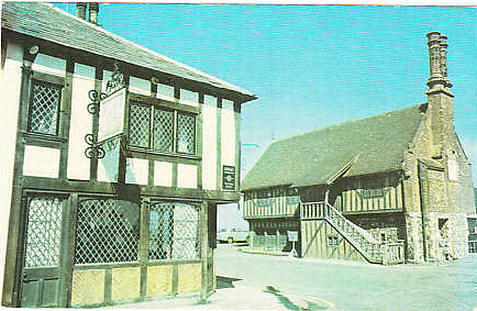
312,66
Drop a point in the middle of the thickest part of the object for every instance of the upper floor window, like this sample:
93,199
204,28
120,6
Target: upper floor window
372,193
43,116
161,129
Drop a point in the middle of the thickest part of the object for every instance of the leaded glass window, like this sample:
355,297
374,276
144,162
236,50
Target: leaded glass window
107,231
44,108
185,133
140,122
173,231
43,234
168,130
163,130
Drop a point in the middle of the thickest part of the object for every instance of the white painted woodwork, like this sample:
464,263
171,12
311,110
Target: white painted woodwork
80,123
140,86
162,174
50,64
165,92
10,99
189,98
41,161
209,147
137,171
186,176
228,133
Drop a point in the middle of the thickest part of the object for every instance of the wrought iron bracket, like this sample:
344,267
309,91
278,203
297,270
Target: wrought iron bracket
94,150
95,97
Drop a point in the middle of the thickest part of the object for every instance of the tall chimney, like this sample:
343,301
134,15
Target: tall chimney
81,10
93,12
439,97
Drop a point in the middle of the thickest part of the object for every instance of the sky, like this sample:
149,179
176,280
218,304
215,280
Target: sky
311,66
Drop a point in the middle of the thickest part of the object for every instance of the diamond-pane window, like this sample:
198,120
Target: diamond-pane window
185,133
43,231
44,108
173,231
139,125
163,129
107,231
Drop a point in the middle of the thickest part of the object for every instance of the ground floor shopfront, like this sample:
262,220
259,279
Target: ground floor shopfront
80,248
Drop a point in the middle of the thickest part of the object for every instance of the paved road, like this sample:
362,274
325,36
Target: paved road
354,286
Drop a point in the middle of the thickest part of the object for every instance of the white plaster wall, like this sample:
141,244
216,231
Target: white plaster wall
140,86
228,133
50,64
165,92
189,98
136,171
81,122
162,174
10,86
41,161
186,176
209,146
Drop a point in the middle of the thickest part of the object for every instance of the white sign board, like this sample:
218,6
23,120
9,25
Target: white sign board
292,236
111,115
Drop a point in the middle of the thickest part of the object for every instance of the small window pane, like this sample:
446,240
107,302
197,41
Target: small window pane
43,231
185,133
163,130
139,124
160,230
107,231
173,231
44,108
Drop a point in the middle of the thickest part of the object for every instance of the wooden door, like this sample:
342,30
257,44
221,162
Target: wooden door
40,278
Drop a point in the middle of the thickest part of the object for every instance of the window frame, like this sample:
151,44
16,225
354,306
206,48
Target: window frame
137,99
56,82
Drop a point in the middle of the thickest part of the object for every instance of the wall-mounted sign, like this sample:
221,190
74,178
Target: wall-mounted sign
111,115
292,236
228,177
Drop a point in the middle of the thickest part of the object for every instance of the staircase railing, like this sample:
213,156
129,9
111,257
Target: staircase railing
373,250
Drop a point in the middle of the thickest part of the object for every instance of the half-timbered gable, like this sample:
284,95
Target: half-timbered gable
121,156
394,182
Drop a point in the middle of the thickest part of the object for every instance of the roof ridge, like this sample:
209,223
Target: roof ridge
146,49
344,122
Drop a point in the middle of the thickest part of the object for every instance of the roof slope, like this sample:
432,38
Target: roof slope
371,145
52,24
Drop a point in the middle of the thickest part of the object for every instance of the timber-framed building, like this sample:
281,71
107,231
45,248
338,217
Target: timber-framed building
118,156
385,189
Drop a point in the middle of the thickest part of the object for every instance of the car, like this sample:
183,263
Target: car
233,235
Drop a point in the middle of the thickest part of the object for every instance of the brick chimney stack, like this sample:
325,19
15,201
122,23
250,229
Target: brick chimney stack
93,12
439,96
81,10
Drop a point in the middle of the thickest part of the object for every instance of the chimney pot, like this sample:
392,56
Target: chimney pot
93,12
81,10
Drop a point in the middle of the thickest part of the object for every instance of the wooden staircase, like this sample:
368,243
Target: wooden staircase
370,248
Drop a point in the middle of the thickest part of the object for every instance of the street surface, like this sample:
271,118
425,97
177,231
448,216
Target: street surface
335,285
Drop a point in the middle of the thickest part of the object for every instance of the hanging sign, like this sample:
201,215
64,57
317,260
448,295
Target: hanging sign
292,236
111,115
228,177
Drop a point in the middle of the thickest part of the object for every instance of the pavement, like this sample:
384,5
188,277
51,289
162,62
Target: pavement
260,282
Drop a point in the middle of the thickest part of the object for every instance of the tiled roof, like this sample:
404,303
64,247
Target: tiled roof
49,23
366,146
